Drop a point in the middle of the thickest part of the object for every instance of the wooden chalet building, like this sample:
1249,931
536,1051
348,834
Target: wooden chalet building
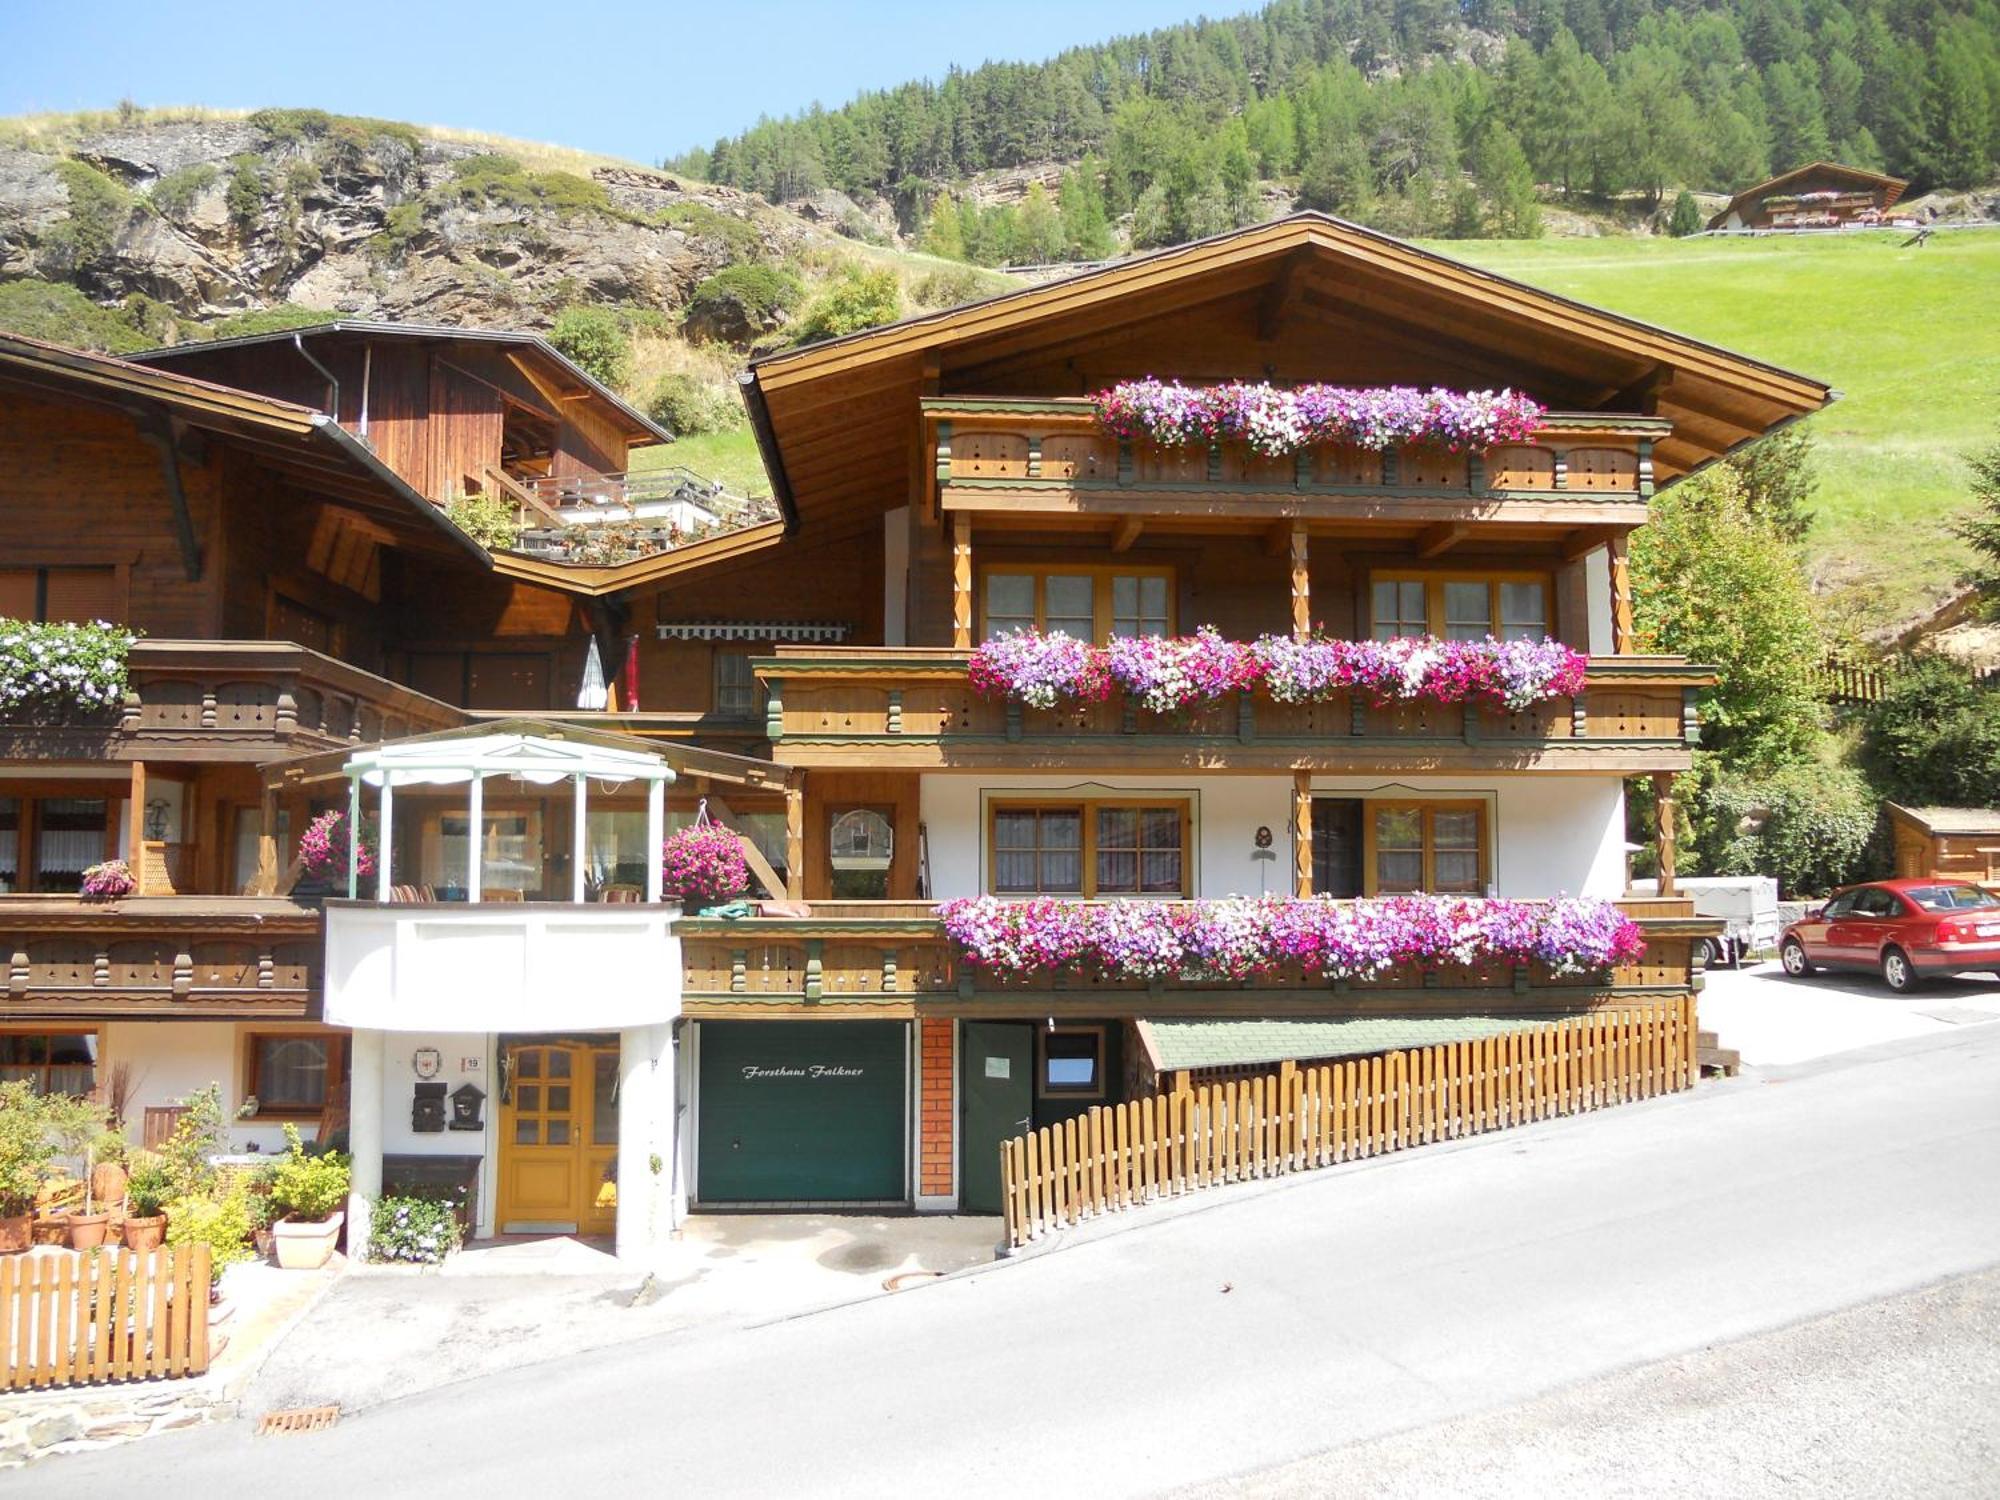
802,673
1819,195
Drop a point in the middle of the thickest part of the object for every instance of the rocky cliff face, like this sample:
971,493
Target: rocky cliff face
363,219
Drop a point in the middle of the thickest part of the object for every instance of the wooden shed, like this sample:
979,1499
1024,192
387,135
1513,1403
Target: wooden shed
1946,843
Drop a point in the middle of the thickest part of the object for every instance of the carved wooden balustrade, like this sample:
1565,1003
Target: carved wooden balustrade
892,959
65,958
230,700
996,454
914,707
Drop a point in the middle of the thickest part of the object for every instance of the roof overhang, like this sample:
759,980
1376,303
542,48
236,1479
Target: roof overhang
642,429
303,445
839,420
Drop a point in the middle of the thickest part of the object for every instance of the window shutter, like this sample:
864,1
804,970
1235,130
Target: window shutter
79,595
17,594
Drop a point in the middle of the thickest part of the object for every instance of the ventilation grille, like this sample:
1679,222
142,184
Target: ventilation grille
298,1419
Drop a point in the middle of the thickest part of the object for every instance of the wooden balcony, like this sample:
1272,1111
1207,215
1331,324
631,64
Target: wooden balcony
1050,458
892,960
229,700
228,957
914,708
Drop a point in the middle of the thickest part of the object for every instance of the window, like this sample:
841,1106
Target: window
70,834
1090,604
55,1062
737,695
1439,847
10,844
75,595
1099,848
1874,901
1072,1063
1460,608
292,1074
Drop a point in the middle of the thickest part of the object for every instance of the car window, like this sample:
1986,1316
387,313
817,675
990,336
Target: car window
1841,905
1952,897
1876,902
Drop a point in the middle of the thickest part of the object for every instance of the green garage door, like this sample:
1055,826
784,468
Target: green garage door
801,1110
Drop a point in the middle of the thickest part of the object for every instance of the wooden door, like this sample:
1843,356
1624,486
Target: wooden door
558,1139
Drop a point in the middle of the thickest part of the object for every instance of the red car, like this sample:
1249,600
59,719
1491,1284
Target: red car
1905,930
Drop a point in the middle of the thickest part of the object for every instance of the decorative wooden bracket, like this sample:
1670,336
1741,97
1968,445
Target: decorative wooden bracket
158,429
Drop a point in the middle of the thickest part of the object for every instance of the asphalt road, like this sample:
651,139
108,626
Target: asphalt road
1244,1330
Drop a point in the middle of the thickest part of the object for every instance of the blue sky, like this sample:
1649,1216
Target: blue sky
627,79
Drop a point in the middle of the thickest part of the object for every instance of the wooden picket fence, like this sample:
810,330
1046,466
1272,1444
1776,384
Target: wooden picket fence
1120,1156
87,1316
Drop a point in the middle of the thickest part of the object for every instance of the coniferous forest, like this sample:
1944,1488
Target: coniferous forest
1423,117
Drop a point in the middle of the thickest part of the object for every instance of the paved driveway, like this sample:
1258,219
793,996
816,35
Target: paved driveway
1773,1020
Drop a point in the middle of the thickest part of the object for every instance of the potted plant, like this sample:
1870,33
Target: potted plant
220,1222
703,864
147,1190
80,1129
25,1152
263,1209
323,853
308,1193
108,881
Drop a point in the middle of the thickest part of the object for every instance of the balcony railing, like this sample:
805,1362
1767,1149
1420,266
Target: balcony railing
893,958
505,966
604,519
1035,454
216,956
230,700
915,707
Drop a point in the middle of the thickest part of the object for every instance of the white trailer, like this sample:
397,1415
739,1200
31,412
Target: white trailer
1746,905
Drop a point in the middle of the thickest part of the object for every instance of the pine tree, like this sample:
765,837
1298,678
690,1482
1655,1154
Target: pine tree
1501,167
1686,217
1038,230
942,235
1982,527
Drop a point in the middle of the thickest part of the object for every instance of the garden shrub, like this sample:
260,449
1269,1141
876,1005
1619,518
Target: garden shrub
489,520
197,1136
1810,825
1934,738
222,1224
420,1231
594,340
688,406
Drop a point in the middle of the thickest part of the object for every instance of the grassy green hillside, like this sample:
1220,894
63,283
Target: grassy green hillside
1911,338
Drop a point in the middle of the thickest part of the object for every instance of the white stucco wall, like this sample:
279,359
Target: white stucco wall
1553,835
1597,598
171,1059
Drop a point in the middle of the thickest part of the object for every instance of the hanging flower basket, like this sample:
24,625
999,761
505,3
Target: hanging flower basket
109,880
703,865
323,847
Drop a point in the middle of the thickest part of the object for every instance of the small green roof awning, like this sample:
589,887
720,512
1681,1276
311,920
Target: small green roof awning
1235,1044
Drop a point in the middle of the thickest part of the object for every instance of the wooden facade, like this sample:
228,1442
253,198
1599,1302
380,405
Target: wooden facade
1819,195
1946,843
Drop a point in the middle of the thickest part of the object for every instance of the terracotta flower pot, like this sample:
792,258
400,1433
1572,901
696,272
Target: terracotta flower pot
88,1231
145,1234
16,1233
306,1245
262,1239
107,1182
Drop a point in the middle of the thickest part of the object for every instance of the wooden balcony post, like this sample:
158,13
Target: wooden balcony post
135,836
1621,596
1302,835
265,882
795,843
1667,812
1301,584
961,581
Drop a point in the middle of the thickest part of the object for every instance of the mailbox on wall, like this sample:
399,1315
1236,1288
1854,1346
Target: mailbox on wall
427,1109
465,1102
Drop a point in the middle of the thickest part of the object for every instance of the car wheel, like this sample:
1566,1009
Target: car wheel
1898,972
1793,956
1713,954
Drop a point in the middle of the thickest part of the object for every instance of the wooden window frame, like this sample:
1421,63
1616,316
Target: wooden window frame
55,1029
1086,808
754,712
1044,1089
336,1070
1427,808
1101,575
1434,580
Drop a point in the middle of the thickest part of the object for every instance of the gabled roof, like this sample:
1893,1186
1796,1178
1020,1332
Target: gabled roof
568,373
305,445
1822,170
1305,297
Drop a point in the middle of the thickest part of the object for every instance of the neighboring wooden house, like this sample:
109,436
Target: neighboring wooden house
1820,195
803,673
1946,843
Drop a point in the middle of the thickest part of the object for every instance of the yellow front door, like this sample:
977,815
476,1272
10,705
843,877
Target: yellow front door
559,1139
